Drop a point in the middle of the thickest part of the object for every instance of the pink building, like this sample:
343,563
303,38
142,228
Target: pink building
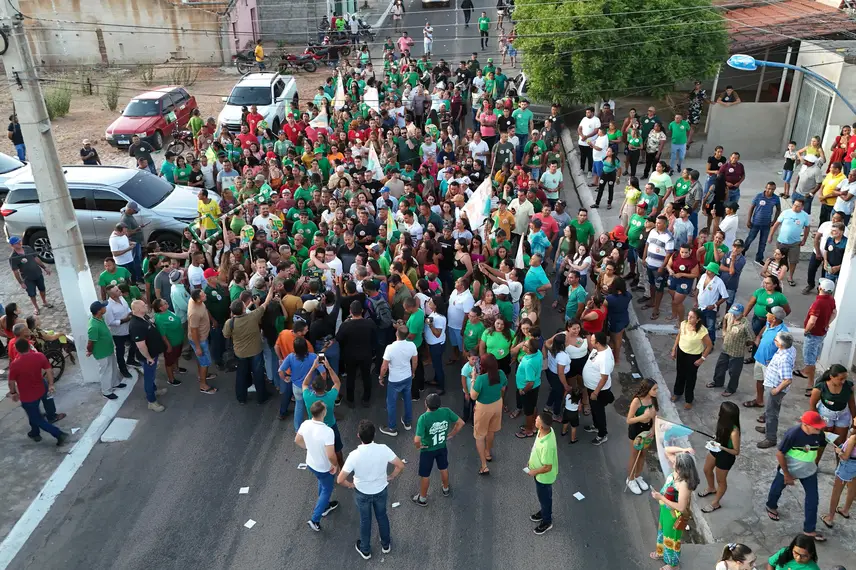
243,24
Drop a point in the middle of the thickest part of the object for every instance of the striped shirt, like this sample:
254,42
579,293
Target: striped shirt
660,245
780,368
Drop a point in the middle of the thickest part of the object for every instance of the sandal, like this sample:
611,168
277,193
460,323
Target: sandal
524,435
840,512
587,411
807,392
793,283
655,556
514,414
36,311
824,521
752,404
727,394
710,385
484,471
710,508
703,494
488,458
555,304
210,390
655,316
774,516
573,440
49,306
799,374
817,537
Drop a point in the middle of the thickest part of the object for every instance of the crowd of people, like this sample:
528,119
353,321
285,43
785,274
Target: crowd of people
387,242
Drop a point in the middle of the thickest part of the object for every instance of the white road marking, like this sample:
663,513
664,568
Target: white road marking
120,430
60,478
250,523
244,491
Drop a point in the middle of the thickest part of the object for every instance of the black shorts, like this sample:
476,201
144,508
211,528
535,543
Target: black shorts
33,284
633,430
530,401
723,460
427,458
337,441
577,365
569,417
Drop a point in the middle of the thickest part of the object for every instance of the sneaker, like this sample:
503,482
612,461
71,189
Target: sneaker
36,438
387,431
125,374
111,396
543,527
766,444
160,391
135,364
536,517
181,370
633,486
642,484
314,526
156,407
365,555
599,440
331,506
175,382
121,385
386,549
61,439
419,500
807,290
407,426
447,492
590,429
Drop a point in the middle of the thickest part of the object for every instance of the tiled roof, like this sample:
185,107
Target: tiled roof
769,22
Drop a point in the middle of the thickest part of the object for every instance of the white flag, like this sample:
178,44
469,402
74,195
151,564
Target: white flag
372,99
339,98
518,261
475,206
374,164
320,121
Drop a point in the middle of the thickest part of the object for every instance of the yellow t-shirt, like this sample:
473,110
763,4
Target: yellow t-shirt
691,341
829,186
260,53
210,208
632,195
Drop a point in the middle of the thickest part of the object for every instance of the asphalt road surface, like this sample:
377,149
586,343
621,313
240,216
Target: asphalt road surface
168,497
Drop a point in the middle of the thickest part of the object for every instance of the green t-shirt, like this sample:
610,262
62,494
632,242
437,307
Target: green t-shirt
329,399
195,124
120,276
636,225
651,201
472,335
169,325
308,229
182,175
765,301
544,452
101,337
529,370
679,132
633,141
585,231
484,24
433,428
792,565
496,344
521,117
682,187
416,326
489,394
709,254
506,310
235,291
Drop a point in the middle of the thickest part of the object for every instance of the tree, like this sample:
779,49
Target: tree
579,50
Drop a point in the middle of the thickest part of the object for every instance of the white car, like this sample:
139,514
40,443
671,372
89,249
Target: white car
271,93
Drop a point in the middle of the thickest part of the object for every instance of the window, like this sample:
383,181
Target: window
278,88
23,196
168,105
178,98
78,198
107,201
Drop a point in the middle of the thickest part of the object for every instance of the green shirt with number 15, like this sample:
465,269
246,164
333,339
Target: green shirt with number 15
433,428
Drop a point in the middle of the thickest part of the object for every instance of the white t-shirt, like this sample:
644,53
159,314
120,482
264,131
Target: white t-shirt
575,352
439,323
398,356
208,176
368,464
598,363
588,126
560,359
118,243
263,223
317,436
570,405
844,206
195,276
602,143
729,227
459,305
479,151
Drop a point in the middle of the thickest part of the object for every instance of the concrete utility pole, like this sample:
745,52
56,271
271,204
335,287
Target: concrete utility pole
78,290
839,347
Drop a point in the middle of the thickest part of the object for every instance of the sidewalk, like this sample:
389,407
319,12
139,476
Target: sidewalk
742,517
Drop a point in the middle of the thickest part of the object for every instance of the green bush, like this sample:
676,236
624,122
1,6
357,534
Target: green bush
58,100
185,75
147,75
111,92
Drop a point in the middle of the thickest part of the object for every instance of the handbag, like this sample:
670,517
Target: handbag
682,523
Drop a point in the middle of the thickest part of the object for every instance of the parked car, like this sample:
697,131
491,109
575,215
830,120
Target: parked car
154,115
271,93
9,168
99,193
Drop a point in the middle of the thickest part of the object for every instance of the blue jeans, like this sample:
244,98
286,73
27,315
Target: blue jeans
138,261
734,194
393,391
325,490
522,140
21,149
807,200
217,345
34,415
149,372
679,152
250,370
545,498
436,351
762,232
709,318
694,221
299,411
809,485
153,169
711,180
365,504
271,361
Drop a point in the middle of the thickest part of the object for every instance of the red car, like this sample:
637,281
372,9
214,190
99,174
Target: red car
153,115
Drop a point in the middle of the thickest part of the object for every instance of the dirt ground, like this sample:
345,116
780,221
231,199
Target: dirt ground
89,116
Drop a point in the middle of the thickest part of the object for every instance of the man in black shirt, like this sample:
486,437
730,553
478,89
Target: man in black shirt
27,269
348,252
17,137
141,149
372,185
150,344
88,154
366,230
357,168
462,74
357,337
446,251
504,123
195,180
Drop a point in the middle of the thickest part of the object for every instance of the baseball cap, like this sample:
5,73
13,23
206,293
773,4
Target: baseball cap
85,141
132,206
827,285
96,306
810,158
779,313
812,419
14,240
502,290
737,243
431,268
209,273
736,309
310,305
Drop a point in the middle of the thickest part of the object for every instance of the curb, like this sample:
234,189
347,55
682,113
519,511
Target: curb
384,16
635,334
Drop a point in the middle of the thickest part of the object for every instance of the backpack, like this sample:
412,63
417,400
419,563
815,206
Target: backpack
381,312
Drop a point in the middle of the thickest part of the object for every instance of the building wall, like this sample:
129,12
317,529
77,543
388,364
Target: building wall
192,34
728,128
244,25
290,21
832,66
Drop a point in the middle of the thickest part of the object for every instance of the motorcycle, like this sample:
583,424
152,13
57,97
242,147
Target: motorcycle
180,141
343,45
245,62
293,62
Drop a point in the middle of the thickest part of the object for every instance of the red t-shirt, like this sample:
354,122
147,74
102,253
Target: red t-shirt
26,371
548,225
13,352
291,132
822,308
247,139
253,119
597,324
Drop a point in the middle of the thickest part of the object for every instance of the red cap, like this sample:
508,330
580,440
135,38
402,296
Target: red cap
813,419
618,233
431,268
209,273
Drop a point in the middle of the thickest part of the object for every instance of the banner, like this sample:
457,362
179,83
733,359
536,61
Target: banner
321,121
339,97
372,99
475,206
374,164
518,261
667,434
